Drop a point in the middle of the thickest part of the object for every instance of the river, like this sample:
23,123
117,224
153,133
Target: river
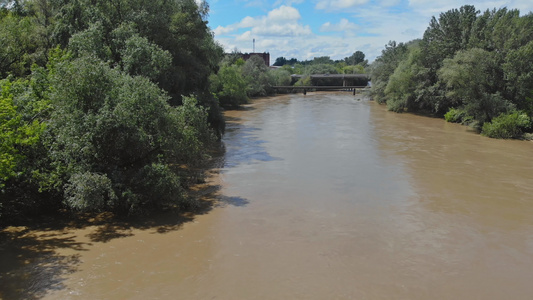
323,196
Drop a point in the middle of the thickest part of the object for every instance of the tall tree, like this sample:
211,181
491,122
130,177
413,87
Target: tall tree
384,66
356,58
280,61
468,77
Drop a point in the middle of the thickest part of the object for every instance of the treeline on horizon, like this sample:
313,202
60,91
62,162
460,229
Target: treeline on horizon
470,67
104,106
237,80
346,65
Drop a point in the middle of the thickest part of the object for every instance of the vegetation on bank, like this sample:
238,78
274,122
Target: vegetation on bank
470,67
104,106
238,80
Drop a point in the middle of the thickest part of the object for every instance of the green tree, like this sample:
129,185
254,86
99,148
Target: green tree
356,58
254,70
17,131
442,39
24,109
281,77
518,69
113,31
447,35
280,61
357,69
322,60
320,69
229,86
401,87
469,81
104,154
384,66
19,45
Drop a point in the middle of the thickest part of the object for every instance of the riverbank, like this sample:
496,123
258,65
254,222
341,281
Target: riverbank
37,255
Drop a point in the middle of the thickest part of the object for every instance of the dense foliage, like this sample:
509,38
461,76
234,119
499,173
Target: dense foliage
470,67
238,80
104,106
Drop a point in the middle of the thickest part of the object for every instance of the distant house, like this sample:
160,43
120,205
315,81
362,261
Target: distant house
265,56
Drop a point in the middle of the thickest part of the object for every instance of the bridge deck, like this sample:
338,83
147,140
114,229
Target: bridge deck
321,88
318,87
332,76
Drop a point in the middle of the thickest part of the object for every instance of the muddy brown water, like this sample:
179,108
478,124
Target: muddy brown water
324,196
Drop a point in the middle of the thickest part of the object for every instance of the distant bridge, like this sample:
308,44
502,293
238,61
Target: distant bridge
351,78
306,88
343,76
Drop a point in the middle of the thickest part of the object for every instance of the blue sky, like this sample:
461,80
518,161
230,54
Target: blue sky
336,28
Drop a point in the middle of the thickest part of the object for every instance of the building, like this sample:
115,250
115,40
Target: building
265,56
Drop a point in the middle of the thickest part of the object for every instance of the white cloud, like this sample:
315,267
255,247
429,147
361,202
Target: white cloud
435,7
332,5
247,22
284,13
222,30
382,22
246,36
272,43
282,21
343,25
282,30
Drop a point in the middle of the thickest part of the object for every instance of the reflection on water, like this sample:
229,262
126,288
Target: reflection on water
328,196
247,148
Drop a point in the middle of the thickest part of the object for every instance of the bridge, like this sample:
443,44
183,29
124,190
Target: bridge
306,88
344,77
335,78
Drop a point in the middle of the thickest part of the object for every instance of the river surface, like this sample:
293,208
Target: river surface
323,196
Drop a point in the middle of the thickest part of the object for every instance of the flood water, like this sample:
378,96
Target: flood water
323,196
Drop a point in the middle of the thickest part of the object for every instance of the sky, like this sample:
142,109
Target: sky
304,29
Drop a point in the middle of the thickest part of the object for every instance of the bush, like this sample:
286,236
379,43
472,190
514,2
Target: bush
281,77
452,116
397,104
164,188
89,192
115,144
507,126
304,81
457,115
229,86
